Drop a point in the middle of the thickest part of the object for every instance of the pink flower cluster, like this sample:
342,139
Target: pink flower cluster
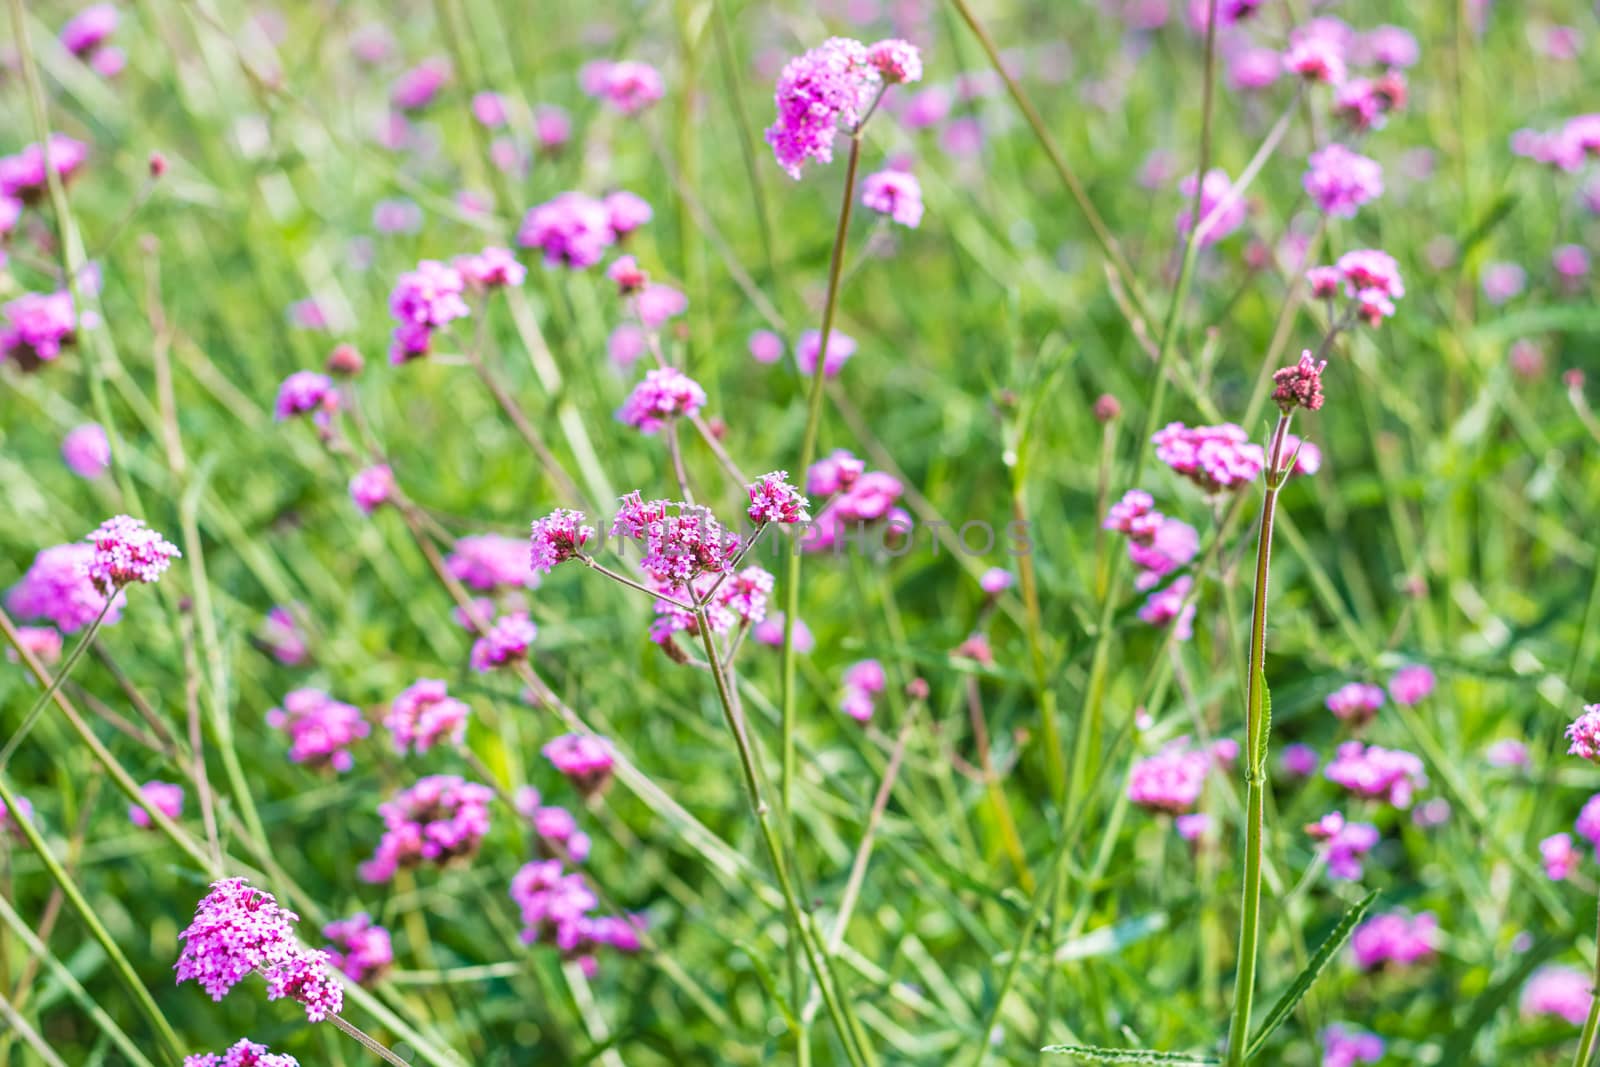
1565,148
1384,774
361,949
859,497
1344,843
320,728
245,1053
1299,385
372,487
439,819
831,86
863,681
1221,212
164,797
1170,780
1411,685
22,175
1355,703
1345,1046
423,300
127,551
556,908
555,829
306,392
627,85
735,598
1584,733
44,642
423,714
1157,545
773,499
681,542
841,346
1559,858
493,268
506,642
37,327
1394,938
895,193
585,760
665,394
574,230
237,930
490,563
556,538
1340,181
1216,458
57,587
1371,281
281,636
1171,606
415,88
87,451
1564,992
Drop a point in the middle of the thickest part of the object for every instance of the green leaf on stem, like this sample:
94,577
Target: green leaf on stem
1304,980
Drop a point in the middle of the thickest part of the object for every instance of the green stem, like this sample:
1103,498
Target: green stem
37,710
1256,728
1591,1025
119,962
821,965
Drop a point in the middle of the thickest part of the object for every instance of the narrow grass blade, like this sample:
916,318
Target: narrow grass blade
1302,983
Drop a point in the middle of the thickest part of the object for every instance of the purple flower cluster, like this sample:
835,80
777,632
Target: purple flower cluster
735,598
773,499
863,681
1564,992
361,949
245,1053
1390,775
491,563
556,538
665,394
1221,212
1345,1046
1216,458
372,487
1558,857
895,193
1395,938
506,642
556,907
1171,606
423,300
416,87
817,92
1170,780
1566,148
681,542
1584,733
320,728
1344,843
37,327
1340,181
87,451
57,587
423,714
493,268
627,85
440,819
585,760
1355,703
1411,685
1157,545
127,551
859,497
22,175
164,797
237,930
306,392
574,230
1299,385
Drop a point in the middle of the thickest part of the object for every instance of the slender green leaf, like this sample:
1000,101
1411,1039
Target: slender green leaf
1126,1055
1303,982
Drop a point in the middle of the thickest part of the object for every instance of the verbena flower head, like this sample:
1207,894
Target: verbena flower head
493,268
769,631
1299,761
415,89
1559,859
995,581
627,85
165,797
629,276
556,538
238,929
1316,59
897,62
1324,282
1507,752
573,230
841,346
423,714
423,300
834,473
89,29
57,587
1216,189
1299,386
1390,46
438,820
127,551
1344,843
1340,181
372,487
1584,733
1347,1047
320,728
1171,606
895,193
491,562
1395,938
1503,281
506,642
37,327
305,392
556,910
245,1053
627,212
361,949
1411,685
44,642
556,834
1553,989
8,819
1378,773
681,542
818,92
1355,703
773,499
1135,515
1171,779
665,394
584,759
87,451
1216,458
1588,821
22,175
1172,544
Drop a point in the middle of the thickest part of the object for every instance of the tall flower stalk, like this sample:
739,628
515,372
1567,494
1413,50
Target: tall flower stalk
1297,386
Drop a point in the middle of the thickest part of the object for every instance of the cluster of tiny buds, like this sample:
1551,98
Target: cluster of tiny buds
1299,386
